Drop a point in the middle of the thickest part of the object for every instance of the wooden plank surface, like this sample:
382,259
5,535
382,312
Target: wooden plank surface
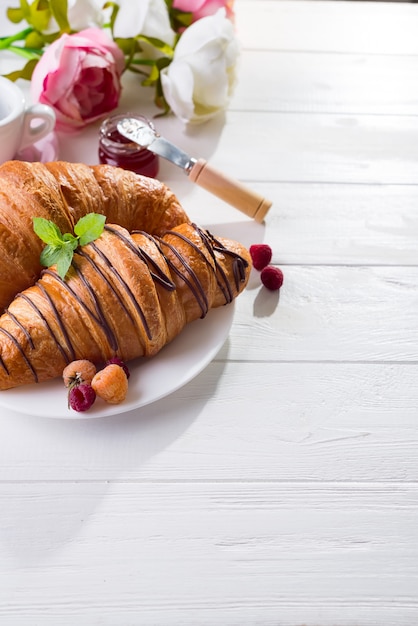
323,26
331,421
327,82
224,553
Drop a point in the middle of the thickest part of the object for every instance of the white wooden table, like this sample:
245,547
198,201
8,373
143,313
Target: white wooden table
279,487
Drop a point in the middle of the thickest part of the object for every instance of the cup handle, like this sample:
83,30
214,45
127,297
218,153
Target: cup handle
45,117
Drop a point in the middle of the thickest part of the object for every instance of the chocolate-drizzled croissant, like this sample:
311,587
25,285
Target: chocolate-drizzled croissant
64,192
124,295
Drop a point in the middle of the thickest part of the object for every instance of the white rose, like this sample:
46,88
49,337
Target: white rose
85,13
81,14
147,17
199,81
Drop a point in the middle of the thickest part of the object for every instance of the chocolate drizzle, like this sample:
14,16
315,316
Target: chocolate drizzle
45,321
239,264
70,346
194,284
156,272
127,289
99,318
178,266
212,245
223,284
19,347
3,365
22,328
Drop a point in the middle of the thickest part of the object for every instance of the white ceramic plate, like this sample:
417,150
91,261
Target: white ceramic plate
150,380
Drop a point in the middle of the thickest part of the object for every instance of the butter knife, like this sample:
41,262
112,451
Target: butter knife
198,170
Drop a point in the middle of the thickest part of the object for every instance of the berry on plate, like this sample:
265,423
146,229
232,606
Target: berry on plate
117,361
111,384
81,397
77,372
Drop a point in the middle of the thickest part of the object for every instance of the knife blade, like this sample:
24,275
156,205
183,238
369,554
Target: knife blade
145,136
198,170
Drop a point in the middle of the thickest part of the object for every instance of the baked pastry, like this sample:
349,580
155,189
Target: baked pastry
64,192
125,295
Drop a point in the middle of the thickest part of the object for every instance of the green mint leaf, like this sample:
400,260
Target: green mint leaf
61,255
59,249
47,231
70,241
50,255
64,261
89,228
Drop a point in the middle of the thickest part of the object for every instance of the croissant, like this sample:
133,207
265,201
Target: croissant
64,192
125,295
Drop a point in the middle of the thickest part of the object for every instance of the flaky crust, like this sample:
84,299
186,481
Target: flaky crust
64,192
125,295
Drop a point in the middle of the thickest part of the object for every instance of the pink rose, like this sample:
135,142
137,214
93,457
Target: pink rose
79,76
203,8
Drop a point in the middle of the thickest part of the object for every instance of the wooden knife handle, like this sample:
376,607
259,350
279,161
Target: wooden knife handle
231,191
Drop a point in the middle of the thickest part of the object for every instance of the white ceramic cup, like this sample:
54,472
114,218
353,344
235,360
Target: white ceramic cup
20,125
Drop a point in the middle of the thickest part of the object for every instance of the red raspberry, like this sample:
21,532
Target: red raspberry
261,255
117,361
81,397
272,277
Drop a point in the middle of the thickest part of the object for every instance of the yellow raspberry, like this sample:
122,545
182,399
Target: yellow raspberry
111,384
78,372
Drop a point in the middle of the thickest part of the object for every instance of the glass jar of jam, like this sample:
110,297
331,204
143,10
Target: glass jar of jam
114,149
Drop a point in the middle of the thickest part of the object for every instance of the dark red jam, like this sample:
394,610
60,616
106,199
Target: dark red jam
114,149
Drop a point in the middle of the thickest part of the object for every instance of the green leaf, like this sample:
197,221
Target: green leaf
60,255
163,47
59,10
7,42
15,15
89,227
25,73
60,248
70,241
129,45
18,15
47,231
50,255
24,5
152,77
180,19
34,41
40,14
64,261
115,9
